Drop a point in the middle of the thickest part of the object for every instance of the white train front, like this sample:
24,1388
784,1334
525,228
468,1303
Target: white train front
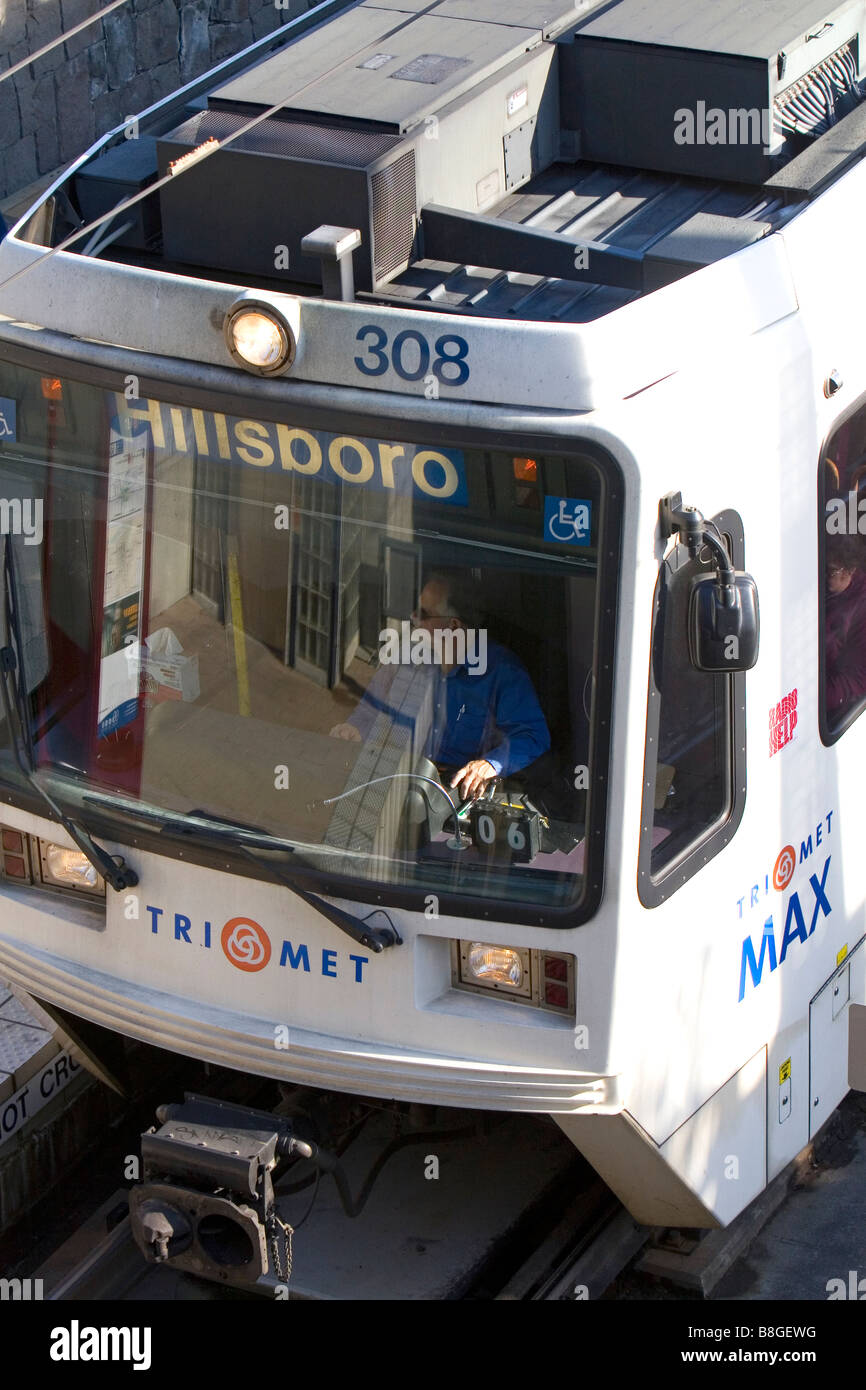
259,449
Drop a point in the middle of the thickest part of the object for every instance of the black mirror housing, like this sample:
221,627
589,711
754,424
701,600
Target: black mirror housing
724,624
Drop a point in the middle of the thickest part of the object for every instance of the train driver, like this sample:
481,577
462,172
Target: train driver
485,720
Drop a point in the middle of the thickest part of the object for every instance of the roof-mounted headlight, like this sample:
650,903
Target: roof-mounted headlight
260,337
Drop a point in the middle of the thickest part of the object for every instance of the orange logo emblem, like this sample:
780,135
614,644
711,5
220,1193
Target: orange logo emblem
783,869
246,943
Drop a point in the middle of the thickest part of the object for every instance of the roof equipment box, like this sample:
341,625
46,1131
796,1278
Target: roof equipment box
396,111
280,181
121,173
716,90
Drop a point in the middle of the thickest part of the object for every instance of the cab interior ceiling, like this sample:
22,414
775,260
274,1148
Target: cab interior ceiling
406,125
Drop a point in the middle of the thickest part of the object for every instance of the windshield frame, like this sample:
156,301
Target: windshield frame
350,410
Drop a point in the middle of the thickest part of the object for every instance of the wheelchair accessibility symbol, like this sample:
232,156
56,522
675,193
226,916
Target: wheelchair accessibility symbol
7,419
567,520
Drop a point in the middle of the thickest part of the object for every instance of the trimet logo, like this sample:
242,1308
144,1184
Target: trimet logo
784,867
798,915
246,943
247,946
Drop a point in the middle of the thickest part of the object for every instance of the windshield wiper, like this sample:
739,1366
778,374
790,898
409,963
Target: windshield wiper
218,830
374,938
114,871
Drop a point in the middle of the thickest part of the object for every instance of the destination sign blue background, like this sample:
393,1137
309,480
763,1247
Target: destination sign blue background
432,475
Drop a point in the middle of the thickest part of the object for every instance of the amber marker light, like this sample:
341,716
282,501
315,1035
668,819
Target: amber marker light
525,470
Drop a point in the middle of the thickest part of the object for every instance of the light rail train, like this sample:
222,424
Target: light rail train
402,428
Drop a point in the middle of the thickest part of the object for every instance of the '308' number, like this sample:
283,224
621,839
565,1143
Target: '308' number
412,357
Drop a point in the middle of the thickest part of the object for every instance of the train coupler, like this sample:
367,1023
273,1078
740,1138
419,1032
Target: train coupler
206,1202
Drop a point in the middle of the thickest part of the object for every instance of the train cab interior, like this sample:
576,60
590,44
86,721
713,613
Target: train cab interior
189,601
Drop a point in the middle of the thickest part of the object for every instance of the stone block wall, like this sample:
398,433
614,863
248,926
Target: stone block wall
52,110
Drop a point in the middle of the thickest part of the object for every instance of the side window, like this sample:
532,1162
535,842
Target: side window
694,769
842,576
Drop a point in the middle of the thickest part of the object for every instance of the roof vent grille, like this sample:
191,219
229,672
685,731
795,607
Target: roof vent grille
394,208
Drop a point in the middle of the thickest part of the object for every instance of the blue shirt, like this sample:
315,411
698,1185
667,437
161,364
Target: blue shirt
495,716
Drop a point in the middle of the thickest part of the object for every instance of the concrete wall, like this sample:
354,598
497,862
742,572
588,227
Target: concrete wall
55,108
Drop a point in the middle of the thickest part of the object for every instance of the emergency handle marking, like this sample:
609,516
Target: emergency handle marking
376,362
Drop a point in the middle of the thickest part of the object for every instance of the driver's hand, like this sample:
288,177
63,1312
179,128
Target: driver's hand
473,778
347,731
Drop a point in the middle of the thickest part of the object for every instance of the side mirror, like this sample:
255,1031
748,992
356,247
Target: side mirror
724,624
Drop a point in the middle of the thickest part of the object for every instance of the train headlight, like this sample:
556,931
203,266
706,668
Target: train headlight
259,337
28,861
543,979
494,965
258,340
500,969
68,868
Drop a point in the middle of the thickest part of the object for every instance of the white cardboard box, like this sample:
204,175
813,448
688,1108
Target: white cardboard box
167,673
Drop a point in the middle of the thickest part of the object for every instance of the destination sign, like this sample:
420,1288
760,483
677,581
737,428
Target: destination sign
410,469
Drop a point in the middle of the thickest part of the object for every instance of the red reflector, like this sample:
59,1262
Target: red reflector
13,839
555,968
557,995
15,868
525,470
52,388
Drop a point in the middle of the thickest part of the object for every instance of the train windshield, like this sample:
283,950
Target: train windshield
381,651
